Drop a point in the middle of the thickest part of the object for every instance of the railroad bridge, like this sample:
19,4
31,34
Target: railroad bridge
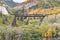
40,12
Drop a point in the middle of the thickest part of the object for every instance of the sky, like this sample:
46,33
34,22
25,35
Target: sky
18,1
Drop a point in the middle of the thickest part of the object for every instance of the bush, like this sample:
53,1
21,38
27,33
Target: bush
9,33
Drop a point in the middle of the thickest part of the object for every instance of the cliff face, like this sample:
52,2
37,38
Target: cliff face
29,4
3,10
32,3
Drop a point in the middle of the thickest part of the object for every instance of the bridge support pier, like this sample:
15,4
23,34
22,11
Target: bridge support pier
41,19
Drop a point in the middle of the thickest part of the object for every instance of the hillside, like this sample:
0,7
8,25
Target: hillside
36,20
49,3
11,4
8,2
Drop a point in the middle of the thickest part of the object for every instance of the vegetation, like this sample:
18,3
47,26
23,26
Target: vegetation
11,4
49,3
13,27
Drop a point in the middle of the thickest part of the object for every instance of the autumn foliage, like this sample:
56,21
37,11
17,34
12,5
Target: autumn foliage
43,11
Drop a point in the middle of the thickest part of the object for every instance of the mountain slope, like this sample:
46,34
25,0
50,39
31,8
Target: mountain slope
11,4
49,3
8,2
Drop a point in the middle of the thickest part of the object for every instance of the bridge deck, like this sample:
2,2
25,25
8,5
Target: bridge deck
30,15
